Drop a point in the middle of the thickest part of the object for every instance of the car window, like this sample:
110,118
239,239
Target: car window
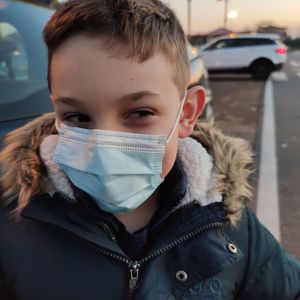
23,61
264,42
242,42
13,57
247,42
221,44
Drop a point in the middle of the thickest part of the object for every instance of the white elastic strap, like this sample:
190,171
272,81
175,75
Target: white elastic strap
177,118
57,125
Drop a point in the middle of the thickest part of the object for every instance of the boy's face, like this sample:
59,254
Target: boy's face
91,88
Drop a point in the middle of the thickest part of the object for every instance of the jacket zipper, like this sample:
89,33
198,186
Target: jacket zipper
135,266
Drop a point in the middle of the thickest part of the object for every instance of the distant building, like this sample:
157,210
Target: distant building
282,31
200,39
197,39
219,32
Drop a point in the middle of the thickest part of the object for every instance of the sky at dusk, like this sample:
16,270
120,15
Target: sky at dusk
208,15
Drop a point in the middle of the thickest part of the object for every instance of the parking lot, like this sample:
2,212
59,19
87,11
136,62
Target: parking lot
239,111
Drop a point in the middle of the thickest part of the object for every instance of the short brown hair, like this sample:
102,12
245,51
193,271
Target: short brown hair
146,26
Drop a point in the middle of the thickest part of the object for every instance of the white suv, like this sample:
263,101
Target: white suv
259,54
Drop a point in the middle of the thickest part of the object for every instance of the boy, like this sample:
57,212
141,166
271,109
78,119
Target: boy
111,198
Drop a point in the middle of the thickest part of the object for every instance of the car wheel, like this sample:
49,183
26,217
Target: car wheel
261,69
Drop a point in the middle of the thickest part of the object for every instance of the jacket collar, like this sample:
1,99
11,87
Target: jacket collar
208,250
66,215
226,161
84,224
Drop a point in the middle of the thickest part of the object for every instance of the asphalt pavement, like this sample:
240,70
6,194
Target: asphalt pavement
239,111
287,112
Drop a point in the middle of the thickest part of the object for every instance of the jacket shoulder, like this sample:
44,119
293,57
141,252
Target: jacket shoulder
271,272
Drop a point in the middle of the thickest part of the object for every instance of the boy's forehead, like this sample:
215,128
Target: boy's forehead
89,63
84,45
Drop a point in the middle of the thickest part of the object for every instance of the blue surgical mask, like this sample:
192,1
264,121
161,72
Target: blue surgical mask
119,170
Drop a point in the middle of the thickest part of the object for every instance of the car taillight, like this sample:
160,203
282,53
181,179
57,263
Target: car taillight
281,50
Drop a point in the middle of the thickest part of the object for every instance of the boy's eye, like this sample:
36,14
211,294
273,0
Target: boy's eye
142,113
77,118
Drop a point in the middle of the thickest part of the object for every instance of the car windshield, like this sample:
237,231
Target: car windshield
23,61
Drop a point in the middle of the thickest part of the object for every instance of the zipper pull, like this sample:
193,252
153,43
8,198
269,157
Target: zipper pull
134,269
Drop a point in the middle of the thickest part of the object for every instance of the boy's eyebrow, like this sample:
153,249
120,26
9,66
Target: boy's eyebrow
138,96
130,97
67,100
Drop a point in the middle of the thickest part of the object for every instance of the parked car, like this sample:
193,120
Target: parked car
24,93
258,54
199,76
23,64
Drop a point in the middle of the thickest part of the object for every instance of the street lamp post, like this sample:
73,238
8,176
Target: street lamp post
189,8
189,16
225,13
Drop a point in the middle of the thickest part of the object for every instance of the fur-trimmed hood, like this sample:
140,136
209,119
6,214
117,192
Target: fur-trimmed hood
219,162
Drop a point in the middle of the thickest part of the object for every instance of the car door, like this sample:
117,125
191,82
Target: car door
216,55
213,54
224,54
245,50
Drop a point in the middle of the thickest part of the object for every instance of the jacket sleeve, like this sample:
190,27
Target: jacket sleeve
272,273
5,294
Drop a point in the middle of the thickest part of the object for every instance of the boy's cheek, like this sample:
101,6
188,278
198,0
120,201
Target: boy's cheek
170,156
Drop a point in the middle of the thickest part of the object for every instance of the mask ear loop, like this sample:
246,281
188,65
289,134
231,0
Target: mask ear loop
177,118
57,125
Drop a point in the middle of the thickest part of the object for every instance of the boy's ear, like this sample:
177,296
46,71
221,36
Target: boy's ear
192,109
52,99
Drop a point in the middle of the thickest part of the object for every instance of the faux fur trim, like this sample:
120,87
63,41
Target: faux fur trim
200,176
23,172
233,161
21,169
58,179
197,166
